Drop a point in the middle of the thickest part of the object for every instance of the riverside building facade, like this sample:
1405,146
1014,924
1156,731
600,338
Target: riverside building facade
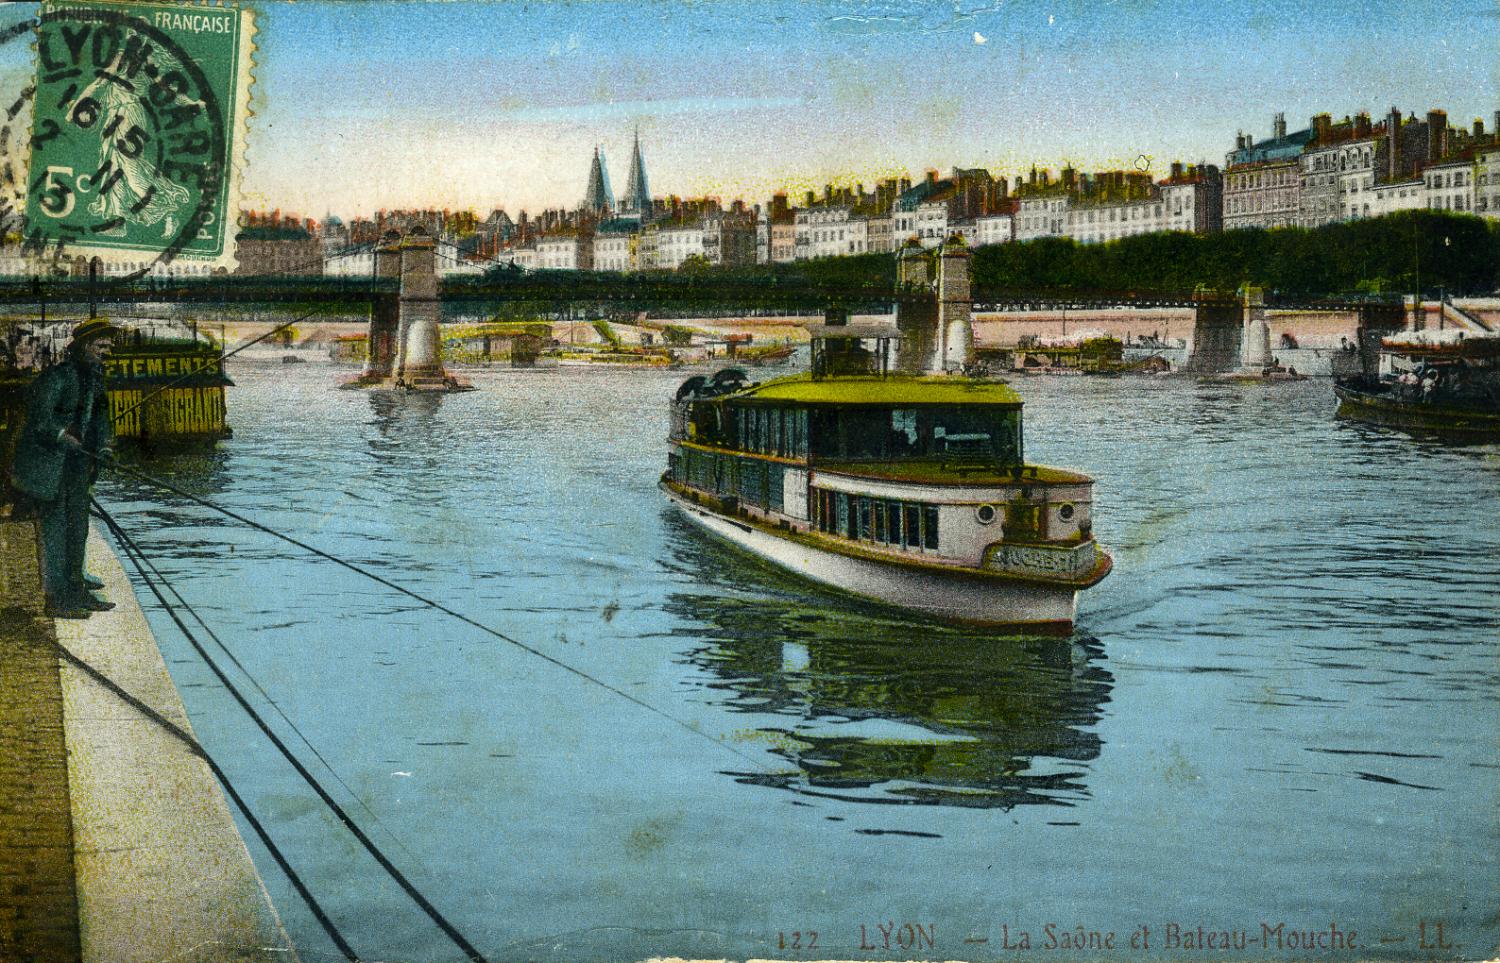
1327,172
1263,179
1487,180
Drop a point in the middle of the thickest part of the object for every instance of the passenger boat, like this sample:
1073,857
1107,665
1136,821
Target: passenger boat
1442,382
907,490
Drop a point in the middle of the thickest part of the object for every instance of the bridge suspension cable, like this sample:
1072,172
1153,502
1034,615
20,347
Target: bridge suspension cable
134,552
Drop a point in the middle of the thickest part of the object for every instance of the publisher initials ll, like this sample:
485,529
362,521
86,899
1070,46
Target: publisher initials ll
1426,931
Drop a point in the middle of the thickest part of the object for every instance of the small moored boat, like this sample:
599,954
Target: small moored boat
1438,382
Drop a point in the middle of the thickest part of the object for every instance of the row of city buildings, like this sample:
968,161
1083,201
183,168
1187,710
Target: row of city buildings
1355,168
1329,171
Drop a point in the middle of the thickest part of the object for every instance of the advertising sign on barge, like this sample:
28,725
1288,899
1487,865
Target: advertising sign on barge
167,392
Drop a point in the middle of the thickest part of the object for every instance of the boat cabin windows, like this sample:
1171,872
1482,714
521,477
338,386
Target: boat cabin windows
755,482
702,470
700,421
894,434
759,483
771,431
885,521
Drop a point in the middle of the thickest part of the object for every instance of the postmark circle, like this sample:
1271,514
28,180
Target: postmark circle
175,95
12,138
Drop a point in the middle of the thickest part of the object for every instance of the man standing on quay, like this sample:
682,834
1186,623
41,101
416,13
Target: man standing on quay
66,435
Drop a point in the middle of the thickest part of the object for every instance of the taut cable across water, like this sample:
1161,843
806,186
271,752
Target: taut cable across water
196,749
432,912
434,604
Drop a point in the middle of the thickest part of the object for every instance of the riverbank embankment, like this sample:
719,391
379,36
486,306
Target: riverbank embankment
116,842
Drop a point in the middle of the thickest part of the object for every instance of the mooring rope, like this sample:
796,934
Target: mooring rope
439,606
197,749
142,557
135,553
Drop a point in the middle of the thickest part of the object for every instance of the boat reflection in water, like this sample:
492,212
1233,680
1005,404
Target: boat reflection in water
871,708
205,472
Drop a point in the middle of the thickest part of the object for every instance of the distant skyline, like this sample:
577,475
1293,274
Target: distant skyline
360,106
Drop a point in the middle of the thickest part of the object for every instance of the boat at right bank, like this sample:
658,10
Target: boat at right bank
1432,382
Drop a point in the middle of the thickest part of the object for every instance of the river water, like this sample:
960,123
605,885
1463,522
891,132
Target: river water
1278,711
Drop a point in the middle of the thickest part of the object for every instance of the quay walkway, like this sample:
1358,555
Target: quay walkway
116,843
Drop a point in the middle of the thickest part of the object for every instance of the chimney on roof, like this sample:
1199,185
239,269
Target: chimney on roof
1278,126
1362,124
1478,127
1437,135
932,176
1176,170
1395,148
1322,125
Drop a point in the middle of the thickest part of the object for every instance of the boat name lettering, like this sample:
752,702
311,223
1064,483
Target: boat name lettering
1036,559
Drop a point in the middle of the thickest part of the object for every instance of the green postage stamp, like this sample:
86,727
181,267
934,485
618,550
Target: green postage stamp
138,130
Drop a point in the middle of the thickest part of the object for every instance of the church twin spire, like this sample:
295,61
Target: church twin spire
637,194
598,198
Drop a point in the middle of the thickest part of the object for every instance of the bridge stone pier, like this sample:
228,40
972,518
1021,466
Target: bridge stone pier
385,314
1233,335
937,335
405,349
1218,335
1255,339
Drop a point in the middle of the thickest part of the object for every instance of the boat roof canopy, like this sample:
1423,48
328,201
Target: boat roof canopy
890,391
1426,344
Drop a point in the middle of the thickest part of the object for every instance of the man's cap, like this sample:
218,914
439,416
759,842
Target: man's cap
94,328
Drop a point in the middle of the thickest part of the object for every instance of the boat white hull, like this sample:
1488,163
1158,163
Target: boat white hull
957,596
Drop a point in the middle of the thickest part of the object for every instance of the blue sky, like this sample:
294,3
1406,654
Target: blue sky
364,105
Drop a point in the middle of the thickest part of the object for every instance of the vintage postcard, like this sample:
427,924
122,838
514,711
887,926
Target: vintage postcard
861,480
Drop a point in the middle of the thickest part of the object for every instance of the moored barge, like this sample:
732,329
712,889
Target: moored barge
1435,382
